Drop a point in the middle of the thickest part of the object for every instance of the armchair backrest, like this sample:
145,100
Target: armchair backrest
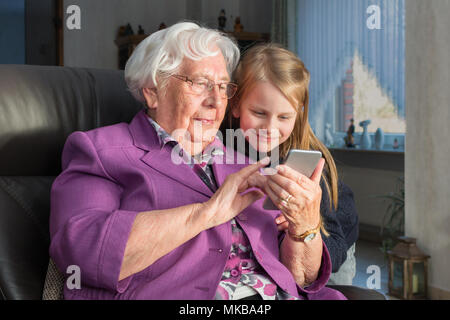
39,108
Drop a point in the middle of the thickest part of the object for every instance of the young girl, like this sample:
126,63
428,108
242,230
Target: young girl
271,105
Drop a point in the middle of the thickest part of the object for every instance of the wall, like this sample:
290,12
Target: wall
427,144
255,15
12,31
365,184
93,45
370,173
210,10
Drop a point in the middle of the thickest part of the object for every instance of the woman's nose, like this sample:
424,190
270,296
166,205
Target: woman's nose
215,97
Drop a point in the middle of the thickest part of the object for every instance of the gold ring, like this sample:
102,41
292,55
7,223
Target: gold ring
286,201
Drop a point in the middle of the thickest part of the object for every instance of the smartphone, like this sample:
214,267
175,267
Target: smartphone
303,161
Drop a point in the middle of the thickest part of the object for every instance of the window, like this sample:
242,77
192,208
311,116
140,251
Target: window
355,52
12,33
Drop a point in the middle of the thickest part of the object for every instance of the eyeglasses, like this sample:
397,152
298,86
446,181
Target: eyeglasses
202,86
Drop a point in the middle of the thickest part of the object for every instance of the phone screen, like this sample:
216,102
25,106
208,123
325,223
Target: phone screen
303,161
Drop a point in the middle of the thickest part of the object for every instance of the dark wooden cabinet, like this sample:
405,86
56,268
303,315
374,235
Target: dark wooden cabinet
126,47
247,39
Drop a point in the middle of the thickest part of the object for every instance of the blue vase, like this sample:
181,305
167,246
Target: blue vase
365,143
379,139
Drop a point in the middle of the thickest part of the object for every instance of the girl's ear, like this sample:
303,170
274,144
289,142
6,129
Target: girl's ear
151,97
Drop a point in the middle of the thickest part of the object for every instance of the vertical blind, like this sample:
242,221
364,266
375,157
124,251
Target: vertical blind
329,32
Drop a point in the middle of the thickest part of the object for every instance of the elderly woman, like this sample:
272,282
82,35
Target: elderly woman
144,209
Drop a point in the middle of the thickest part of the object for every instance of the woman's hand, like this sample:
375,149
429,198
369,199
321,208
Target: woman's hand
228,202
300,210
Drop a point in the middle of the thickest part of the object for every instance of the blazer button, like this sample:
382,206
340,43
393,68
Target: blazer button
234,273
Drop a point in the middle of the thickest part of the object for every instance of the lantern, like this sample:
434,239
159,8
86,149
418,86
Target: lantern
408,270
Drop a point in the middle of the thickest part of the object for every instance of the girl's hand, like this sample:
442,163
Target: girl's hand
282,223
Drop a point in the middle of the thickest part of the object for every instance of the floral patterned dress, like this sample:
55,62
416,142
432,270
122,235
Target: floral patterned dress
242,269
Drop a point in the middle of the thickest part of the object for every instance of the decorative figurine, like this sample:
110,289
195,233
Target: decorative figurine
222,20
365,143
379,139
349,139
121,32
351,127
141,31
329,141
129,30
395,145
238,27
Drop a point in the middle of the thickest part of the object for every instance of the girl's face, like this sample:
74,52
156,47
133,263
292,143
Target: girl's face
266,117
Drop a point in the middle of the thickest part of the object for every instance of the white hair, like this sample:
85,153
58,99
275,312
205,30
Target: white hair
160,55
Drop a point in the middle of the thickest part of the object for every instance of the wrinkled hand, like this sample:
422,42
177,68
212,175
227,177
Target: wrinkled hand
302,211
228,201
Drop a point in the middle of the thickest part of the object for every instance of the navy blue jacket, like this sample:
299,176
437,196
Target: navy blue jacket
341,224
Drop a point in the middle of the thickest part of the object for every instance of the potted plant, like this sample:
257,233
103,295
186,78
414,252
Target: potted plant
393,223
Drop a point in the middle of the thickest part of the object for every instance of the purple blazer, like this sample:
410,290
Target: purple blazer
111,174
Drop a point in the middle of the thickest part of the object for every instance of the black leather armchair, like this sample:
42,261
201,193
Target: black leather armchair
39,108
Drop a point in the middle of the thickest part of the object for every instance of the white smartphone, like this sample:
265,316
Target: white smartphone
303,161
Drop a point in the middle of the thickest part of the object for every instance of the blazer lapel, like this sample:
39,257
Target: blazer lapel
229,164
145,138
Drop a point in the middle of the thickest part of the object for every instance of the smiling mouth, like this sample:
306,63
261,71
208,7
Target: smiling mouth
265,138
204,121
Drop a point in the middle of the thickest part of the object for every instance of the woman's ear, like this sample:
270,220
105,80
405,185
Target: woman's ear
151,97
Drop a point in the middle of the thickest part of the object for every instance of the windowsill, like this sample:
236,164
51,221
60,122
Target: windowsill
390,160
375,151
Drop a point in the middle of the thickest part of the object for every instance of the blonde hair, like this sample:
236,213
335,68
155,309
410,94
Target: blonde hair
283,69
